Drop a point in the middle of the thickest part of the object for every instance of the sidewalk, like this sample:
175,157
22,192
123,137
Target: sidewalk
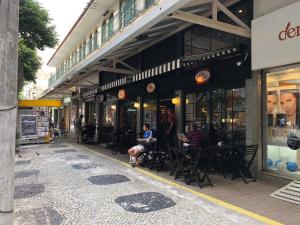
253,196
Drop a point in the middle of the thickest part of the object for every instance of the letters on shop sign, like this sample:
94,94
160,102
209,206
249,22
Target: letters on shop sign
289,32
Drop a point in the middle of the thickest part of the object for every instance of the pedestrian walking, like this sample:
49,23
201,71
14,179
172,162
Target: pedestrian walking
62,127
78,127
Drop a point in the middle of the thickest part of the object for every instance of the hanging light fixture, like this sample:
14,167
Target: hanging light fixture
175,100
113,107
136,105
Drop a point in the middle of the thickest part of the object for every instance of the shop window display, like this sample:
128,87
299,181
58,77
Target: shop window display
109,112
223,109
150,113
283,121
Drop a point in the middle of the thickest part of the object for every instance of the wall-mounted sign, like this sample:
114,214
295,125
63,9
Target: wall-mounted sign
28,125
122,94
151,87
202,76
276,38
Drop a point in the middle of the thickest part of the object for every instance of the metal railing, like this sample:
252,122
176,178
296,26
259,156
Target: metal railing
128,13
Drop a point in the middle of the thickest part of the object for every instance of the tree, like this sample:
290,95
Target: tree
36,31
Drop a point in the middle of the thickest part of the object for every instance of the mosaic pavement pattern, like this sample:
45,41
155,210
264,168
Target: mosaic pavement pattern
82,187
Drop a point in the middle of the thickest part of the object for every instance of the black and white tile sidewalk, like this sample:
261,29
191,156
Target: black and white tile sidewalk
71,185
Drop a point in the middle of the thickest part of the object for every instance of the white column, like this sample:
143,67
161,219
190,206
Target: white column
9,24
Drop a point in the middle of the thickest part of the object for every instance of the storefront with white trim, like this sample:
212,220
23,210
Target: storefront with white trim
276,66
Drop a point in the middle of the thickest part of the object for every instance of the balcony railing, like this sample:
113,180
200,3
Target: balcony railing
128,13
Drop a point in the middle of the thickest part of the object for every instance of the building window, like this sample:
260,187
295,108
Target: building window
109,112
128,12
150,113
95,41
104,32
110,27
223,108
283,121
148,3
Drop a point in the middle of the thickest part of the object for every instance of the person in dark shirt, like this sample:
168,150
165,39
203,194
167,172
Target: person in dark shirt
194,137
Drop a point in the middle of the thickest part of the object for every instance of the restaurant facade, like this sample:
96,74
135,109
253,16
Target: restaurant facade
205,75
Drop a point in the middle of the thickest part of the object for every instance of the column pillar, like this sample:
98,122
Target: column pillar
59,117
253,117
179,111
139,115
9,26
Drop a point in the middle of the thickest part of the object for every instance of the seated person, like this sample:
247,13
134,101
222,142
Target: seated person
135,151
193,137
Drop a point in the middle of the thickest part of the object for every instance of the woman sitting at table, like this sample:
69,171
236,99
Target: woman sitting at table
193,138
136,151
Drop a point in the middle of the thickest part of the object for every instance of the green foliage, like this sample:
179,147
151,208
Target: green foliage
29,61
36,31
36,28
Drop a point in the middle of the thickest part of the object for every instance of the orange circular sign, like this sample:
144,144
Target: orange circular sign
151,87
202,76
122,94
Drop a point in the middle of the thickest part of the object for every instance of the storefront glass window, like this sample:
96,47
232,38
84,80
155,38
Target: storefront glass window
128,116
283,121
150,113
222,109
109,112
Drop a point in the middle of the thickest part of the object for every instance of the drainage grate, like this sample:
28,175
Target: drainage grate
145,202
289,193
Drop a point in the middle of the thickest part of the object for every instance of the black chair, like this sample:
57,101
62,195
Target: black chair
201,165
180,162
242,160
159,155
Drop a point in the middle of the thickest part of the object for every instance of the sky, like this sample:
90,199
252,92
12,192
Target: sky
64,14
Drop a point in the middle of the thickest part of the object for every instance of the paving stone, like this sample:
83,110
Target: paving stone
144,202
107,179
28,190
75,157
23,162
57,146
65,151
85,166
84,192
26,173
40,216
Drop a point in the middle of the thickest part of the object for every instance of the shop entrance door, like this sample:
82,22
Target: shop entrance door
128,117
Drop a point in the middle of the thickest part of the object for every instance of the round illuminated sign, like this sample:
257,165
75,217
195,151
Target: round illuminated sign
202,76
122,94
151,87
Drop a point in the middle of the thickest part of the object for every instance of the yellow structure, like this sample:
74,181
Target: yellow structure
40,103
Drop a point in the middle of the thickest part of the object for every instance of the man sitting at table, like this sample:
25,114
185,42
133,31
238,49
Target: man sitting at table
136,151
193,138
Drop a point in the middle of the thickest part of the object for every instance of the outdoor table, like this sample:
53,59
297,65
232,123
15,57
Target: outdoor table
229,155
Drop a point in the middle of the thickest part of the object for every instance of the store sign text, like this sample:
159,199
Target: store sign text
202,76
289,32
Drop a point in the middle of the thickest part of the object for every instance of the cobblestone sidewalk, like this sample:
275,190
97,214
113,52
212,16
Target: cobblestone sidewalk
65,184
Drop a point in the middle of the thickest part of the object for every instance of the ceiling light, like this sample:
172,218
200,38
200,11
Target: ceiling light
240,11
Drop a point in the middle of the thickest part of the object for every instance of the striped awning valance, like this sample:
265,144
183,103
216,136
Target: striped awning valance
173,65
196,59
161,69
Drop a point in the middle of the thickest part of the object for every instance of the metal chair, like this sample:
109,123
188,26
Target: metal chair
242,161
